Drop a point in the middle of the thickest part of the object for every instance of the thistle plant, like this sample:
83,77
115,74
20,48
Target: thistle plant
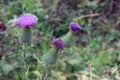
58,44
68,38
50,57
27,21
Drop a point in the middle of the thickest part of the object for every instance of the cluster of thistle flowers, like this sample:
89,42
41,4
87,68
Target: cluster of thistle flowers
50,58
28,21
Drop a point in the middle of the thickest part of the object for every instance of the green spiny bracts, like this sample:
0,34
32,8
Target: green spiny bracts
50,57
26,35
67,39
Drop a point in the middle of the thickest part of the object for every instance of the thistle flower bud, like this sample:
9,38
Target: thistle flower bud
74,27
26,35
58,43
67,39
50,57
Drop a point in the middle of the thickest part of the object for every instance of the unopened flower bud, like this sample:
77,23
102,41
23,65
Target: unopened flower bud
67,39
50,57
75,27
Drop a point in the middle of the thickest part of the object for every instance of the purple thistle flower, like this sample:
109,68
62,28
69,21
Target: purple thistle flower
74,27
2,27
58,43
89,69
102,69
27,20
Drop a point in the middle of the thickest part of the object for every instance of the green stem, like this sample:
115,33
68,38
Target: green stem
24,63
47,73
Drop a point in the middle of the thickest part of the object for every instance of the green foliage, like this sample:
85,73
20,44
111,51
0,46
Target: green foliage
103,58
7,68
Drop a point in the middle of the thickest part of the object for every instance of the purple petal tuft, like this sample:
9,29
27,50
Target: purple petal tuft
58,43
74,27
27,20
